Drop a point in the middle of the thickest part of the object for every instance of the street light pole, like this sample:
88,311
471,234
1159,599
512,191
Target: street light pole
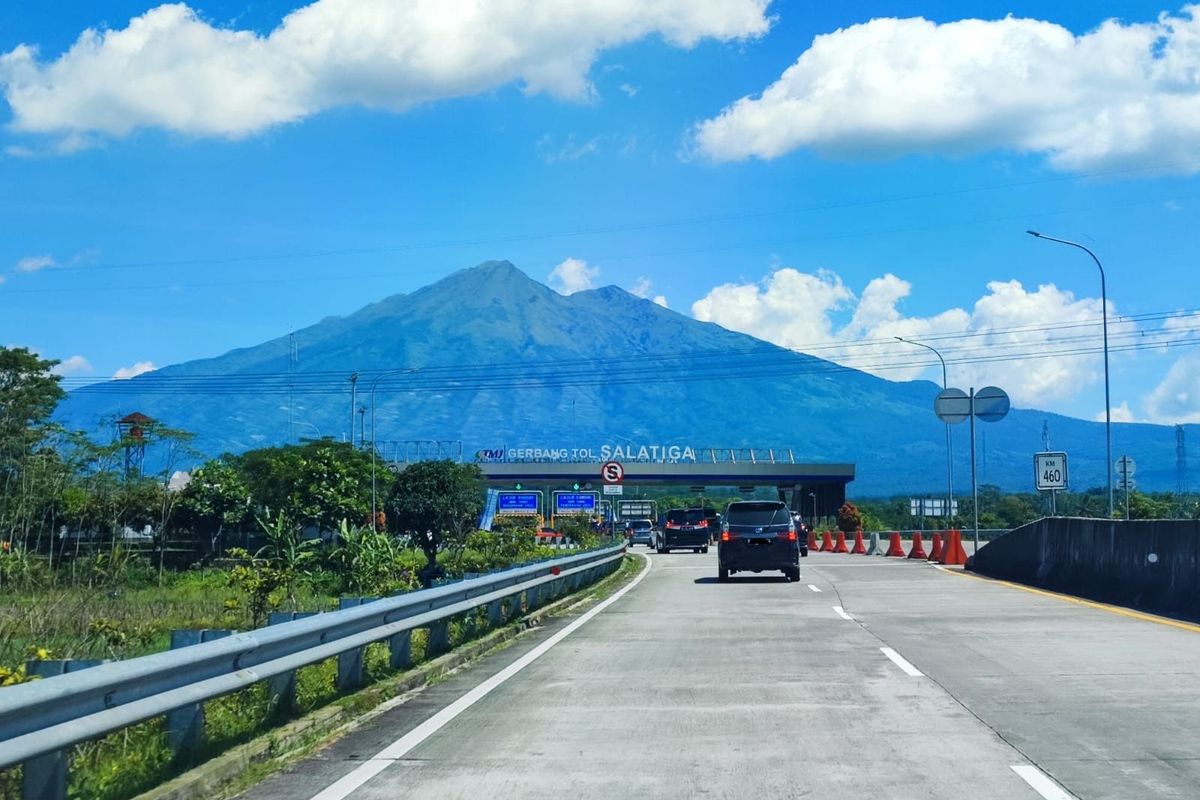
813,495
1108,462
949,435
374,386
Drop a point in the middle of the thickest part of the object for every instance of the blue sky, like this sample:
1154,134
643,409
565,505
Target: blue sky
195,182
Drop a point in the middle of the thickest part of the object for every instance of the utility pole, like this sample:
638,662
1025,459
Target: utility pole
353,403
362,423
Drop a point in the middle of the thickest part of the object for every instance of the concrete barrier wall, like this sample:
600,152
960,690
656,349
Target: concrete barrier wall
1148,564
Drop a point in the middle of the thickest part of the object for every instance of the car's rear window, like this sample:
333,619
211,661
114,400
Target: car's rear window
641,525
689,517
758,514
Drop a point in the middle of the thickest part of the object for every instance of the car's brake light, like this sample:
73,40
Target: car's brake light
789,534
725,537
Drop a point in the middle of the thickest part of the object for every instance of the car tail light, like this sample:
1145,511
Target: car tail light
725,537
789,534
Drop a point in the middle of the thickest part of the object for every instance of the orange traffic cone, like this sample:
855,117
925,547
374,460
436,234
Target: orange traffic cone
840,547
918,547
812,540
895,548
935,553
826,542
953,554
860,547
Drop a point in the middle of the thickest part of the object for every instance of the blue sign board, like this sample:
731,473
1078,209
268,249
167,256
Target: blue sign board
517,502
578,502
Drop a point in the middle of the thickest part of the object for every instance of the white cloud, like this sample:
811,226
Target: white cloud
571,149
35,263
573,275
661,299
1121,413
1122,94
169,68
139,368
798,310
642,287
628,89
1177,399
74,365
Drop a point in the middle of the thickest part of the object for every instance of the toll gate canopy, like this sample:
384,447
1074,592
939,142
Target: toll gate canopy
798,484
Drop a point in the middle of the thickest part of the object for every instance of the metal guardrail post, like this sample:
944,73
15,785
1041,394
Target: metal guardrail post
45,777
350,663
495,613
281,689
439,638
185,725
400,649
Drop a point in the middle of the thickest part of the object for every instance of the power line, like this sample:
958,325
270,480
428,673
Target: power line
650,360
615,377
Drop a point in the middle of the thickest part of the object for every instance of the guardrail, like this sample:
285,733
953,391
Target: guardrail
40,720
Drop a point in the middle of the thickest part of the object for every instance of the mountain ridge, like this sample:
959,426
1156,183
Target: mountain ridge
597,364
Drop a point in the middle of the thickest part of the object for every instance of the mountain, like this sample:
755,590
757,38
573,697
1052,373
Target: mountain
493,359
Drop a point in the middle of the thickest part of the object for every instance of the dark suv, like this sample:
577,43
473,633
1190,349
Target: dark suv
758,535
684,528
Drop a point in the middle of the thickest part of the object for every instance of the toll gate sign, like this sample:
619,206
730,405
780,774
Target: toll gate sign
574,502
517,503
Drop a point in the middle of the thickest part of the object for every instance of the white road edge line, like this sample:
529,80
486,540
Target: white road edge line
815,589
841,612
1040,782
345,785
902,662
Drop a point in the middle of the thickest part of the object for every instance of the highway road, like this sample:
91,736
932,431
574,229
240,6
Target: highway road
871,678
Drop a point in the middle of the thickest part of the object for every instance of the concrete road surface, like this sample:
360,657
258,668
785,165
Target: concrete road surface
871,678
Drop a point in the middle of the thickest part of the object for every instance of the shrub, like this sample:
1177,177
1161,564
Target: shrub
849,518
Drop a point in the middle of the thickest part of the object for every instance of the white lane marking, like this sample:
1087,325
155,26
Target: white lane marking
345,785
815,589
841,612
1040,782
902,662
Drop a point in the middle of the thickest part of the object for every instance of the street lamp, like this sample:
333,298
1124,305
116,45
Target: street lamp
375,385
813,495
949,435
314,427
1107,402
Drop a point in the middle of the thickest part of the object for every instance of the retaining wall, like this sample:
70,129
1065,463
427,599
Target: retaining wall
1148,564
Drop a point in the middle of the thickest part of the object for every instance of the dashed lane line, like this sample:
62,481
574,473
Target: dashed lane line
902,662
1040,782
841,612
814,588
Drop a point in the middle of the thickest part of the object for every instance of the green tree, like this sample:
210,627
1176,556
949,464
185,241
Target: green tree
29,474
316,483
216,499
436,503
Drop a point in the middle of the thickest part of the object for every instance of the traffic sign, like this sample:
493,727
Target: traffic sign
518,502
1050,471
614,488
612,472
574,502
952,406
1126,466
991,404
